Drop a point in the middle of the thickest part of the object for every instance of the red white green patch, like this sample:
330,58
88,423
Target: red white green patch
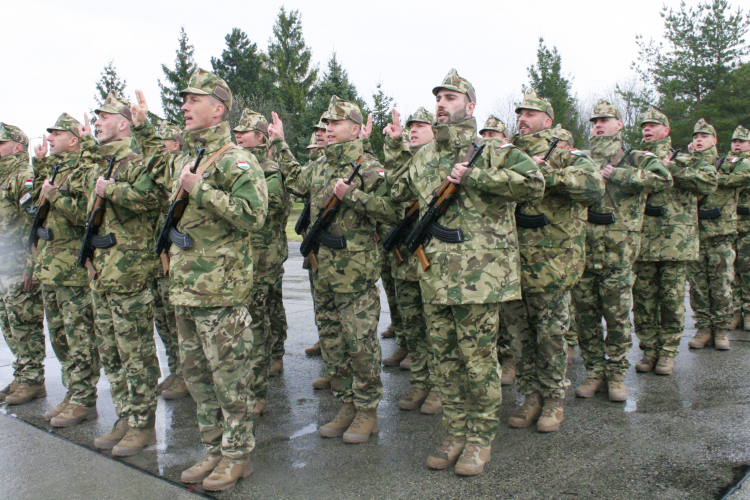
381,173
29,183
243,165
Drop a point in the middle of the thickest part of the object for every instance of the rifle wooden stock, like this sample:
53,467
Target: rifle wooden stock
93,223
446,193
40,218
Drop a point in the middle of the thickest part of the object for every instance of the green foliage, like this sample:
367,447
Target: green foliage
108,82
243,67
177,79
381,116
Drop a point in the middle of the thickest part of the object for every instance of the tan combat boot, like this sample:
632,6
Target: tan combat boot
528,412
74,414
200,471
747,323
165,383
432,405
646,364
227,473
509,371
365,423
447,454
340,423
702,339
177,390
134,441
553,414
261,407
413,400
397,357
25,393
617,391
590,387
277,366
321,383
472,460
389,332
736,321
109,440
665,366
721,341
53,412
406,363
314,350
8,390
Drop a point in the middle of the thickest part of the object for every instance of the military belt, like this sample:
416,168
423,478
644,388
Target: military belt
45,234
530,221
331,241
709,214
743,210
654,211
601,218
182,240
103,241
446,234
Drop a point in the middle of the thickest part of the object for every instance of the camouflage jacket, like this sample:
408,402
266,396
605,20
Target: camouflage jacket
673,236
617,245
734,175
552,256
224,208
16,184
743,221
485,268
355,268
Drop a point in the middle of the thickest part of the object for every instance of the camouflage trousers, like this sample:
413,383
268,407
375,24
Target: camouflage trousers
411,310
503,339
215,346
70,321
125,338
260,324
25,332
741,283
711,283
389,285
604,293
659,307
571,336
277,313
4,325
464,341
537,326
166,324
348,325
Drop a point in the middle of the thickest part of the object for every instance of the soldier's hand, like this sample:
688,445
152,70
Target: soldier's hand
276,127
607,171
459,169
538,159
40,150
139,110
188,180
366,131
28,281
101,185
667,161
47,187
340,189
394,129
85,127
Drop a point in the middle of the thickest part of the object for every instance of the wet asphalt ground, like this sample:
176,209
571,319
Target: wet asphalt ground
678,437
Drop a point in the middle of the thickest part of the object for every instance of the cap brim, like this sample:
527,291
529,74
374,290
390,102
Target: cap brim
193,90
447,87
602,116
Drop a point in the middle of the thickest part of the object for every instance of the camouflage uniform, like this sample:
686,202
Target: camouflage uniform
495,124
466,282
741,284
611,250
211,281
25,335
668,241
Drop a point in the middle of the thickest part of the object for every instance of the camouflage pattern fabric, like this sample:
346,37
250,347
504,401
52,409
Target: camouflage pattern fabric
603,109
653,115
12,133
25,337
533,102
420,115
571,336
387,264
411,310
260,324
703,127
277,313
57,337
339,109
115,105
494,123
204,82
504,349
711,283
166,324
454,82
741,284
4,325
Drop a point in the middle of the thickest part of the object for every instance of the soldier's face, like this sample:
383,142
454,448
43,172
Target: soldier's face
171,145
531,121
702,142
740,146
201,111
605,127
320,137
249,139
420,133
494,134
654,132
8,148
109,127
452,106
564,145
341,131
61,141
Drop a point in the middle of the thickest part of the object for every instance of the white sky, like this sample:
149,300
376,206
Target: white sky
54,51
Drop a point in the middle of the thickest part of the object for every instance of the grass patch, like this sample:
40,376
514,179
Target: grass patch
296,210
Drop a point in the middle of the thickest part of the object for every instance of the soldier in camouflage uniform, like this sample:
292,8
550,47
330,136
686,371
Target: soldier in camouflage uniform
711,275
346,298
494,128
211,275
552,243
741,284
612,241
21,296
66,293
669,239
466,282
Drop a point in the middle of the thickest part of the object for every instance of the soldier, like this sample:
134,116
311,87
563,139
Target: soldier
172,137
612,241
711,275
669,239
741,285
65,289
211,273
346,298
270,251
564,137
466,281
494,128
21,295
552,244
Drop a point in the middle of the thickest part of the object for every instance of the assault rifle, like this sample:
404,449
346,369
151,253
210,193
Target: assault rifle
538,220
40,217
656,210
609,217
399,233
301,229
710,213
91,238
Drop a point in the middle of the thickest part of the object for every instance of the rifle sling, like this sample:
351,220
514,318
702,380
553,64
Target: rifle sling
202,169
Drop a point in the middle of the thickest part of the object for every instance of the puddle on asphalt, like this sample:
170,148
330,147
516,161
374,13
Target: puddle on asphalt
308,429
631,405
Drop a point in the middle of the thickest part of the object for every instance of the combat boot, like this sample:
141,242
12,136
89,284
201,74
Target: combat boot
406,363
571,354
447,454
528,412
314,350
74,414
109,440
509,371
8,390
397,357
25,393
721,341
432,405
321,383
165,383
261,407
736,321
553,414
227,473
646,364
747,323
200,471
277,366
617,391
365,423
590,387
134,441
389,332
413,400
665,366
702,339
340,423
472,460
53,412
177,390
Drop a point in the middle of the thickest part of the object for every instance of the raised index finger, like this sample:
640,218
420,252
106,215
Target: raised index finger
396,118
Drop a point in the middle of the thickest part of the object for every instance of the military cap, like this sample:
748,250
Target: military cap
653,115
320,125
702,127
170,131
204,82
493,123
421,115
313,142
116,105
454,82
339,109
13,133
603,109
741,133
536,103
560,133
252,121
66,123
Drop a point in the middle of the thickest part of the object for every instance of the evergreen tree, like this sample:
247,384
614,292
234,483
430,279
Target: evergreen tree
243,67
177,79
108,82
381,116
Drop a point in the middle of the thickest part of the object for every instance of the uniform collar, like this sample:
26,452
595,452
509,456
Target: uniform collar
709,155
118,149
659,147
606,147
536,144
455,135
344,152
260,152
211,139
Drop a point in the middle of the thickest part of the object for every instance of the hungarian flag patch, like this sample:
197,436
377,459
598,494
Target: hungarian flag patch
29,183
243,165
381,173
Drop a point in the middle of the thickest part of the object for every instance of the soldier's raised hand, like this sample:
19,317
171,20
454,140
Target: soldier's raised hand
366,131
394,129
139,110
276,127
85,127
40,150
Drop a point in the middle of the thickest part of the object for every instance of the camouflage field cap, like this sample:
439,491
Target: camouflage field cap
13,133
741,133
116,105
252,121
320,125
454,82
653,115
536,103
313,142
493,123
560,133
702,127
169,131
66,123
603,109
339,109
204,82
421,115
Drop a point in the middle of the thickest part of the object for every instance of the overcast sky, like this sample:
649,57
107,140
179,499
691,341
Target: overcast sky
54,51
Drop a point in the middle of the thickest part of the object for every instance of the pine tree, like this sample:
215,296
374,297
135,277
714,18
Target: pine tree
176,80
108,82
381,116
243,67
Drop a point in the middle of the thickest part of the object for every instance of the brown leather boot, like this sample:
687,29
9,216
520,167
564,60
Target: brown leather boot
25,393
8,390
397,357
340,423
509,371
314,350
746,324
617,391
227,473
261,407
472,460
200,471
53,412
413,400
74,414
665,366
388,333
590,387
364,424
109,440
528,412
134,441
406,363
321,383
646,364
177,390
702,339
432,405
736,321
553,413
447,454
165,383
277,366
721,340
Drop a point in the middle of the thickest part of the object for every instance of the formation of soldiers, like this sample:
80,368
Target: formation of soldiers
498,254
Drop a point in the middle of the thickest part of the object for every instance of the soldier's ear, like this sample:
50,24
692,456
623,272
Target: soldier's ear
470,108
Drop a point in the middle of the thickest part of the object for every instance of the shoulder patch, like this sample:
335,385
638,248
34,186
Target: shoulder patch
649,153
28,183
576,152
275,167
506,145
381,172
735,159
243,165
